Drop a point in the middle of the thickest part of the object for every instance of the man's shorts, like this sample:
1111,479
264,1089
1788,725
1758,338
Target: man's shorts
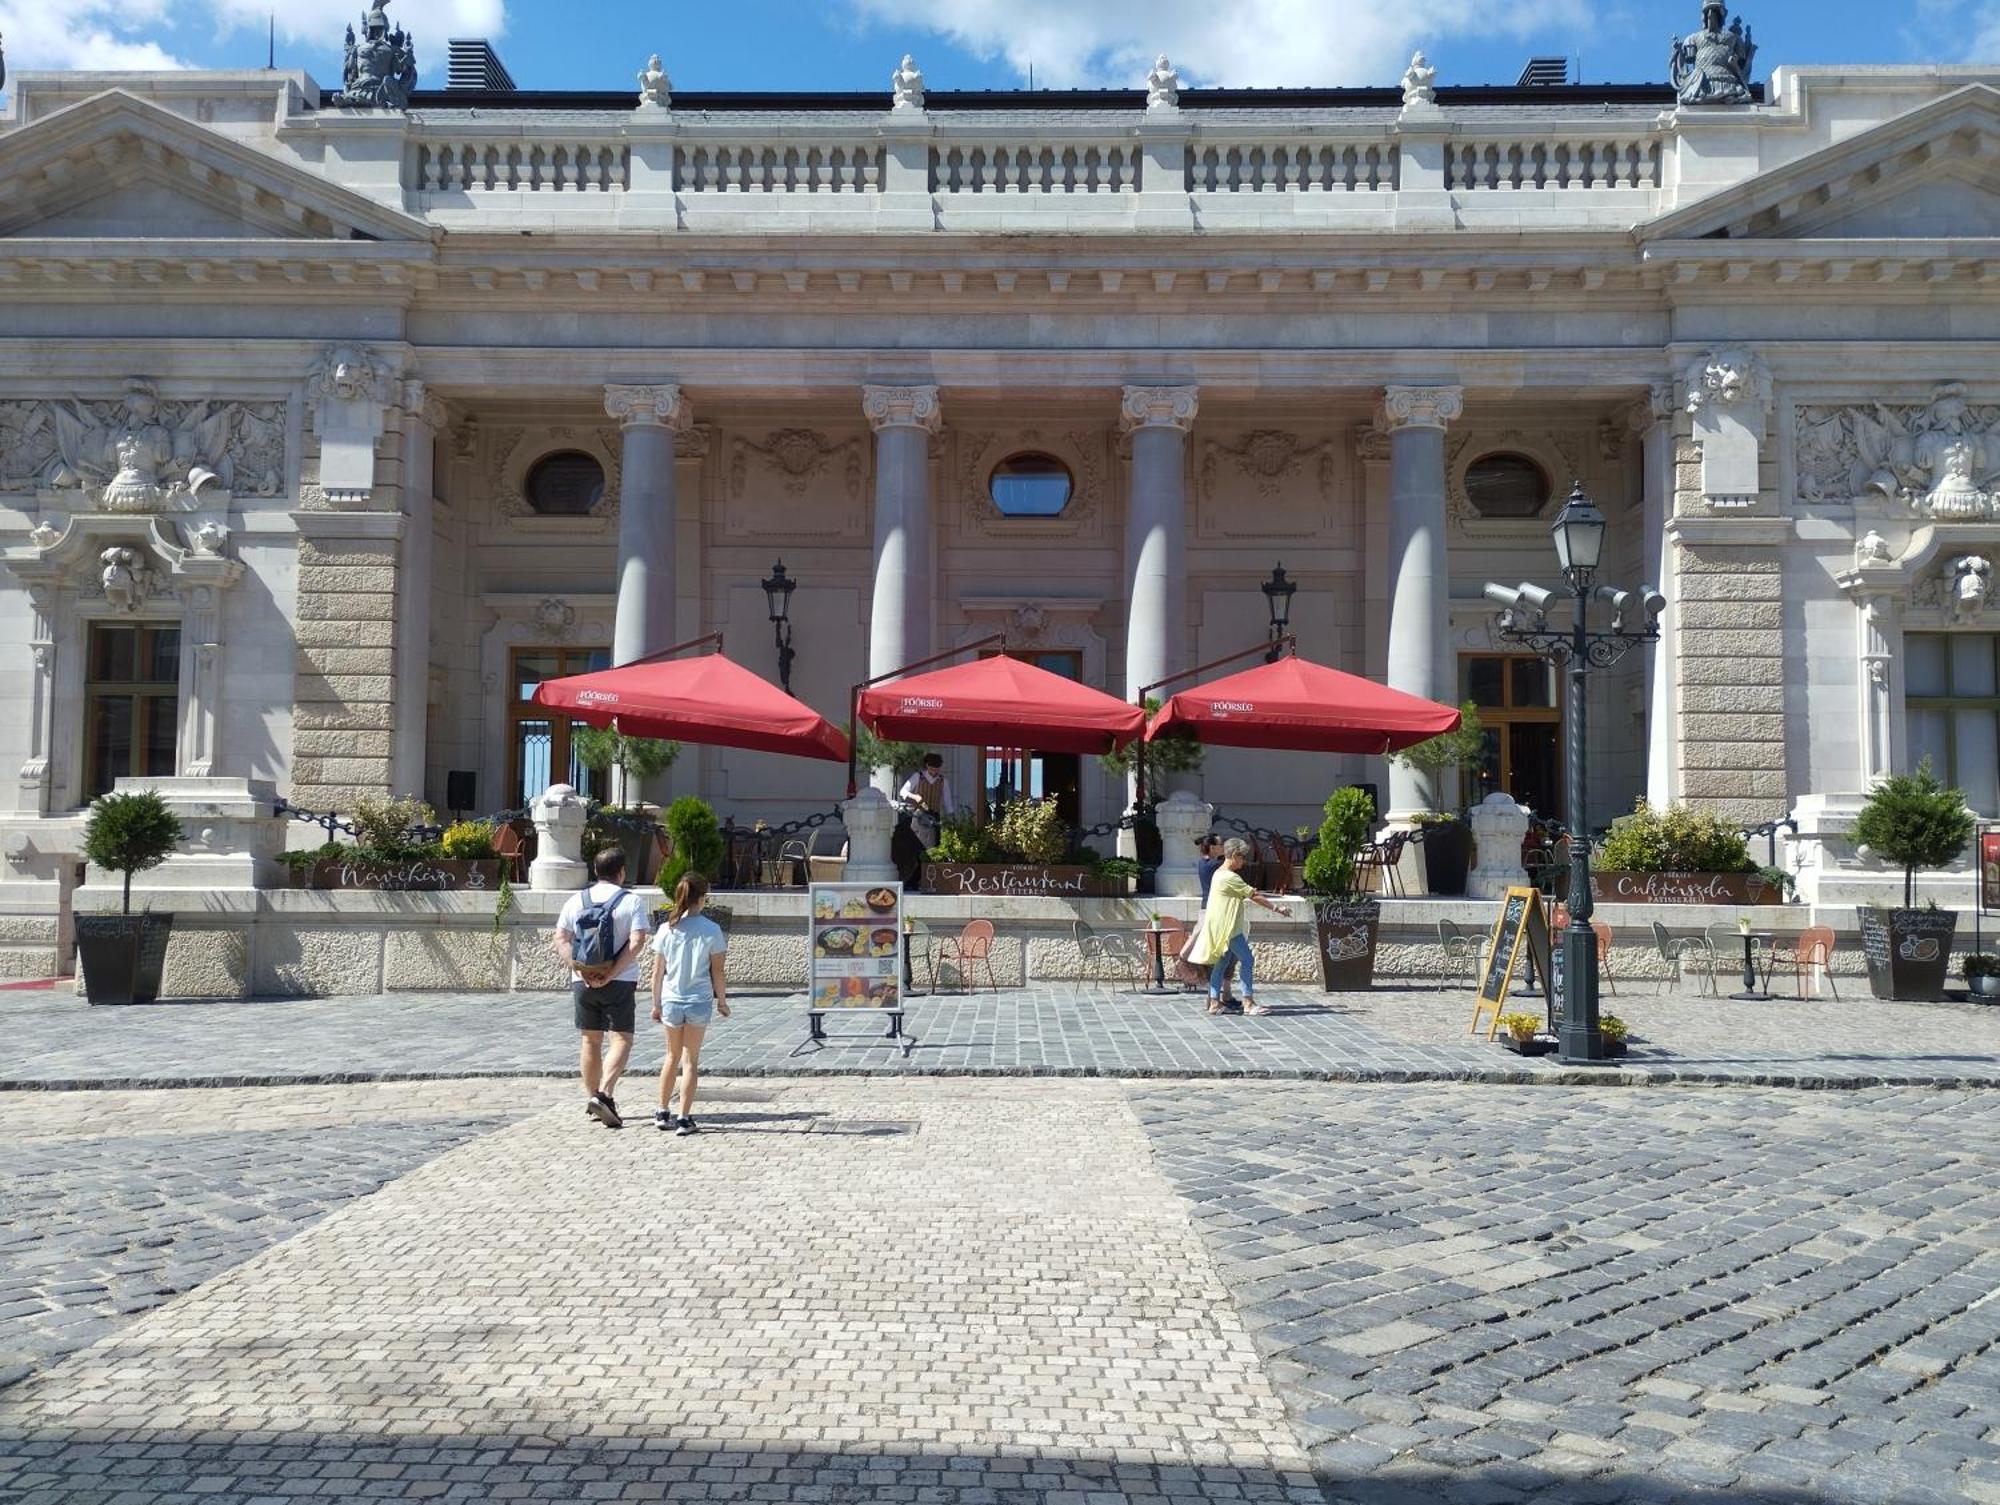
611,1007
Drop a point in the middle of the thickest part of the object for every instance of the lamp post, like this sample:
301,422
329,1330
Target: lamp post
778,597
1279,592
1578,534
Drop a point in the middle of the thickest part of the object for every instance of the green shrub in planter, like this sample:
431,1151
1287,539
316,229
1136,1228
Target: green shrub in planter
1674,840
1914,821
1982,974
601,749
697,841
123,955
469,841
131,833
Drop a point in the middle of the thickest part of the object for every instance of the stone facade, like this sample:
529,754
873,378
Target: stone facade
285,379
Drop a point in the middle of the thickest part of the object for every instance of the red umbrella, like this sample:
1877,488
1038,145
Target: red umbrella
1303,707
707,700
1000,702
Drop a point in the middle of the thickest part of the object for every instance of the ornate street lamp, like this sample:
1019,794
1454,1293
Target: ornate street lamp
1278,591
778,597
1578,533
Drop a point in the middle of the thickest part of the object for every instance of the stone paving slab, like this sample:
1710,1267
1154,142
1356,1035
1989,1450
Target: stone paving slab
1498,1295
1047,1029
1002,1302
116,1203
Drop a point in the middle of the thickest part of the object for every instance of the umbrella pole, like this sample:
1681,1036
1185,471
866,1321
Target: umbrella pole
998,639
1289,643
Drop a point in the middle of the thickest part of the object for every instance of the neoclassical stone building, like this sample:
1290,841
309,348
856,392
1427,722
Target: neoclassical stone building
328,428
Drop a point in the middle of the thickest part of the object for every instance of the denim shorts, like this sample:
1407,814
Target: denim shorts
696,1012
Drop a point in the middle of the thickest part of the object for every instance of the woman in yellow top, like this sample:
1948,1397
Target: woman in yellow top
1225,928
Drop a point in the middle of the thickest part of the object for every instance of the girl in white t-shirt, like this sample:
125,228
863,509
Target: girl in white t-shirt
689,988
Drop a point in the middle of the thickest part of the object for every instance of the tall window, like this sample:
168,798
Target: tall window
132,703
538,740
1952,688
1520,703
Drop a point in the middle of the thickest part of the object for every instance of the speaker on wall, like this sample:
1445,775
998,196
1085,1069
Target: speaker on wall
461,790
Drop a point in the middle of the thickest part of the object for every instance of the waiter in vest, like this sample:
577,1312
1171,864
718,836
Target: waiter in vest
927,795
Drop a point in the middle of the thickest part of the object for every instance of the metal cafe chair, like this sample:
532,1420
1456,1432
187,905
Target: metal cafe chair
1105,951
1812,950
1464,955
1675,951
971,946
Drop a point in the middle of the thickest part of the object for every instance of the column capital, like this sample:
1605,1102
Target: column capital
1421,407
663,405
902,407
1159,407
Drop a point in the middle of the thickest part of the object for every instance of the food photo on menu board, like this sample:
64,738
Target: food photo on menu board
856,946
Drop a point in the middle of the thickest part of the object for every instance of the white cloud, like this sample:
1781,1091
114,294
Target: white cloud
122,34
1273,43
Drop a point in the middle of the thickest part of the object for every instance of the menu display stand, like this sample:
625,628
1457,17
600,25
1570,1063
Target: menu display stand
855,958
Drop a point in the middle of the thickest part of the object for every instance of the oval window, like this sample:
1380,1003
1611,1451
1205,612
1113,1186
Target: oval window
1506,486
1032,485
567,484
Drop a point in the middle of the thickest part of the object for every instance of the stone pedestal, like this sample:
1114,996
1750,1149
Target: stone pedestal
1499,826
232,840
870,821
559,815
1183,821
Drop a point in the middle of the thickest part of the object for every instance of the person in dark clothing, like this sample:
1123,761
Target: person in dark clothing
1205,870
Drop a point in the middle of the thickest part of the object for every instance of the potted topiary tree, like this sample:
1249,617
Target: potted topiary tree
1913,821
696,840
124,955
635,759
1346,922
1447,838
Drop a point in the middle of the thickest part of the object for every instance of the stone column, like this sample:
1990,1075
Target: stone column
901,610
1654,419
1420,656
32,788
423,417
201,631
1158,419
650,418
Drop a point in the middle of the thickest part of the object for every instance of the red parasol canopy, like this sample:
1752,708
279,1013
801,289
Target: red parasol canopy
707,700
1000,702
1303,707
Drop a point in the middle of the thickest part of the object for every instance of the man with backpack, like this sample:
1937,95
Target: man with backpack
600,934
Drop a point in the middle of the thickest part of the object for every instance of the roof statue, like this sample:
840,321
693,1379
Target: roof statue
1419,82
656,90
907,84
381,66
1712,66
1163,86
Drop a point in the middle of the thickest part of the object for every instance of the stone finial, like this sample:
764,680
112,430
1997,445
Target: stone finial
1499,826
656,90
1871,551
1163,86
870,822
1183,819
559,814
907,84
1419,83
1712,66
1971,587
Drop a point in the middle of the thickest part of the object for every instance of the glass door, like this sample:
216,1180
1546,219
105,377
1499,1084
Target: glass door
538,741
1520,701
1011,773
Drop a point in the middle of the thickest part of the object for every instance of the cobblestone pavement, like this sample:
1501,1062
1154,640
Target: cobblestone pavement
1084,1030
1059,1293
947,1303
1492,1294
117,1203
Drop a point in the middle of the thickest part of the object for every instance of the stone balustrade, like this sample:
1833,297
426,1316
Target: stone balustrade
1293,166
777,167
1542,164
519,165
1035,167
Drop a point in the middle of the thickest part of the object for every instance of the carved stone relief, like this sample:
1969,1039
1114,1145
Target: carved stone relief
137,453
513,450
796,482
1960,586
1287,482
1939,459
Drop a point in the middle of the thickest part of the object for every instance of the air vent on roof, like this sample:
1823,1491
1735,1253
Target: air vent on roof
475,65
1541,72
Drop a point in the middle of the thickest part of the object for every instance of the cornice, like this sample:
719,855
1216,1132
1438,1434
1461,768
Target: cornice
205,269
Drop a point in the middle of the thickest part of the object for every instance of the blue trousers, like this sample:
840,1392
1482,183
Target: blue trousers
1239,947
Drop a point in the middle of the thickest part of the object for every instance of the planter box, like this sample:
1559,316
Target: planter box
1528,1047
1987,986
1447,849
1021,880
1908,951
420,875
123,956
1614,887
1347,934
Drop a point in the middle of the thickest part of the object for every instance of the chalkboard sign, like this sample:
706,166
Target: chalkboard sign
1520,920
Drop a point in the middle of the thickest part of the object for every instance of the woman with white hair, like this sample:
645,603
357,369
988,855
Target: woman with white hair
1225,928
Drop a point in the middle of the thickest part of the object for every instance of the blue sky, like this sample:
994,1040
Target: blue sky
849,44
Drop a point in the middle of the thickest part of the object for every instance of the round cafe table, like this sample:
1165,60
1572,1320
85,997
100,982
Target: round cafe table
1751,992
1157,940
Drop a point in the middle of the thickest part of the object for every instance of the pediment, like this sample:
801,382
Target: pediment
1933,173
118,167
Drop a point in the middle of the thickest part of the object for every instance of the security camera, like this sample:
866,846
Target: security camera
1523,606
1651,602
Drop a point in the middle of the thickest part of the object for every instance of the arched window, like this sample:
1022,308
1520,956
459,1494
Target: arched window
568,483
1031,485
1503,486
